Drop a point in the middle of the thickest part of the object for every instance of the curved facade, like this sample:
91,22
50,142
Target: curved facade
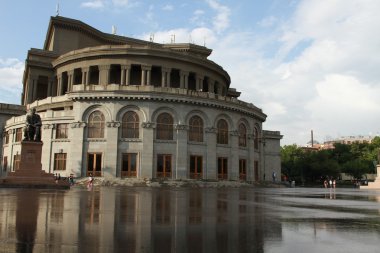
120,107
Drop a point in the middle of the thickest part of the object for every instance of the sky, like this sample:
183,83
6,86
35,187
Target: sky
308,64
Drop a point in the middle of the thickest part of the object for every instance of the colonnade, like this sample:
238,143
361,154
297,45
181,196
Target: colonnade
117,74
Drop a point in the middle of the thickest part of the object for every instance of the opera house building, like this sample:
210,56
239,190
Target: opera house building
121,107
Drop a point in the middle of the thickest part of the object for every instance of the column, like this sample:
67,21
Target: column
50,84
184,77
199,82
211,167
122,78
128,74
211,83
181,152
35,84
143,74
104,74
85,75
146,162
70,77
165,77
59,84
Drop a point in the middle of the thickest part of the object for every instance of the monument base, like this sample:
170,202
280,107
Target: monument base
376,183
30,173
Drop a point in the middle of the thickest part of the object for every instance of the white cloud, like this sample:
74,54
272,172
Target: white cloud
221,20
11,71
96,4
121,3
168,7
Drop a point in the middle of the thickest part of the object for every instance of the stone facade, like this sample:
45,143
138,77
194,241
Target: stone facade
120,107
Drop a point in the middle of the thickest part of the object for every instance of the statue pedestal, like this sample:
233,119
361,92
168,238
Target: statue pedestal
376,183
30,173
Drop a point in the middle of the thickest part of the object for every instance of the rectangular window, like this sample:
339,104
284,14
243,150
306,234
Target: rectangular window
62,131
195,167
129,165
16,162
222,168
60,161
94,164
243,169
18,134
6,137
164,166
5,163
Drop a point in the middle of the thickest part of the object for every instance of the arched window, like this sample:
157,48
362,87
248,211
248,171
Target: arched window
256,138
196,129
130,126
242,135
164,127
96,125
222,136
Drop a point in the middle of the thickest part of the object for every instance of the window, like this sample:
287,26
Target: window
222,168
130,127
61,131
16,162
96,125
6,137
195,167
5,163
60,161
196,129
243,169
18,135
94,164
129,165
242,135
222,135
164,166
164,127
256,139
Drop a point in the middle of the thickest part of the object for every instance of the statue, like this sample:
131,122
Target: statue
32,130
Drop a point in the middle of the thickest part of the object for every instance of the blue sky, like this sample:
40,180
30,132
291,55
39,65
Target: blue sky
309,64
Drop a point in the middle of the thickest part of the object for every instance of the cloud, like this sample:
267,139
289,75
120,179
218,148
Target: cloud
221,20
96,4
11,71
168,7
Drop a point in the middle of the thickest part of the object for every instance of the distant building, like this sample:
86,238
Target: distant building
7,111
342,140
120,107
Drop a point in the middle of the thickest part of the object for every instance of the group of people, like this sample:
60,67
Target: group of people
57,177
329,183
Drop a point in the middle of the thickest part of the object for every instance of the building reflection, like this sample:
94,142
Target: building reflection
144,220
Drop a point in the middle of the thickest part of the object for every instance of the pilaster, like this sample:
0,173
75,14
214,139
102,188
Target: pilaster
111,156
181,152
211,168
146,168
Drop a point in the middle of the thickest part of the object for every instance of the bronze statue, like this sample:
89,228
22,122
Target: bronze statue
32,130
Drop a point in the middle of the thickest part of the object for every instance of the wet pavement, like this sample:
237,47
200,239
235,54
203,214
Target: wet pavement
143,219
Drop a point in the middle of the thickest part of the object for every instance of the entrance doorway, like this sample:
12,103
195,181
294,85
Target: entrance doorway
164,166
94,164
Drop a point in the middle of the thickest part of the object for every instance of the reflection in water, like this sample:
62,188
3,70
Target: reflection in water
170,220
26,220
